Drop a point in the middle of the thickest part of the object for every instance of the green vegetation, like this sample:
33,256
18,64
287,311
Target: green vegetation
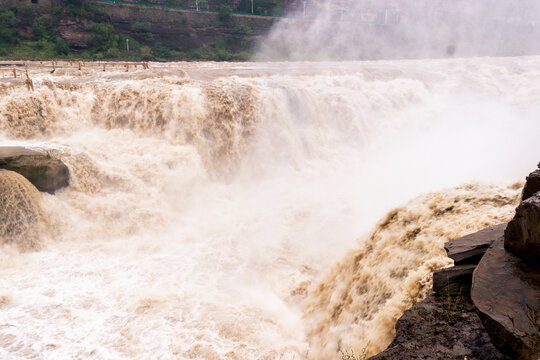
225,13
74,9
34,32
8,27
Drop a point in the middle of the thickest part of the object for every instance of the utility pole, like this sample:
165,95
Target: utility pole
197,4
127,45
305,8
252,6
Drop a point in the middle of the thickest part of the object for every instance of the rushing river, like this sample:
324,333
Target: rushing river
255,210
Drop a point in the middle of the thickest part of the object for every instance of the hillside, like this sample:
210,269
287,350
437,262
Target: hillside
97,30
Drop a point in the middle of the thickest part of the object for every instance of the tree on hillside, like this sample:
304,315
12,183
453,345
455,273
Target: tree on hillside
103,37
8,27
225,13
38,29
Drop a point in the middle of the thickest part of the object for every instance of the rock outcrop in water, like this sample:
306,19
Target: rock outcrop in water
46,173
506,283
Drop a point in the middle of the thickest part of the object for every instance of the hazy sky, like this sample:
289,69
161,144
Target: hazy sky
369,29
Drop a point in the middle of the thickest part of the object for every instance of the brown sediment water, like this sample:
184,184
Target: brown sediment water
244,211
24,222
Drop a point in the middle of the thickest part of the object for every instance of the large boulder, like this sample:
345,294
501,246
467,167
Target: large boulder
506,293
522,236
45,172
470,249
532,185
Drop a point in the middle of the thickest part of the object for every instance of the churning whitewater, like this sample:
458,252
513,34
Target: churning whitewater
252,211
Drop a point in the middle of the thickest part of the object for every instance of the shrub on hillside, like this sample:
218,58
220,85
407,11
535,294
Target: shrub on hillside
61,47
145,52
103,37
38,29
8,27
225,13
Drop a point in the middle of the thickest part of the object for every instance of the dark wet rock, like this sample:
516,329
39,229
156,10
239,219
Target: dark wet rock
43,171
453,281
506,293
532,185
440,328
522,236
470,249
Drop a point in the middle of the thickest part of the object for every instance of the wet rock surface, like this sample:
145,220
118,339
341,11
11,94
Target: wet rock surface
441,328
532,185
522,236
454,281
506,293
506,283
46,173
470,249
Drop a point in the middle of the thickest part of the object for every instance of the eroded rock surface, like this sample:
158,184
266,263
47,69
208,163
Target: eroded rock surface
506,293
43,171
454,281
440,328
532,185
470,249
522,236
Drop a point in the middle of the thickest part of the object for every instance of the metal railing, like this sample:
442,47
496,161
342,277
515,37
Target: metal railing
179,7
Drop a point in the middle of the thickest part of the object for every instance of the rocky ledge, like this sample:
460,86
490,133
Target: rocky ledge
506,283
46,173
441,328
507,295
487,306
466,253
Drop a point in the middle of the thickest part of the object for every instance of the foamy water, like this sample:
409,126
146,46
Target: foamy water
229,211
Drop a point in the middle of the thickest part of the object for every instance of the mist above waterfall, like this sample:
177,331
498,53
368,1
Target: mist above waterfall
389,29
